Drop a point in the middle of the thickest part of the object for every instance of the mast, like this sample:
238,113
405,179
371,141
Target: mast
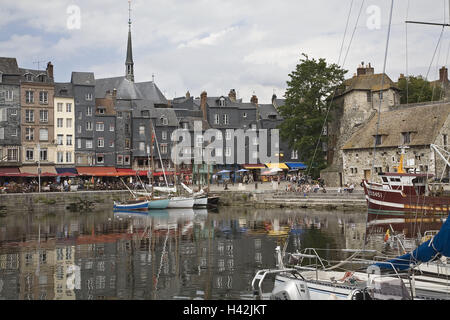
151,153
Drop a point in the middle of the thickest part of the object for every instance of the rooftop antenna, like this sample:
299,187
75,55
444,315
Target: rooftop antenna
38,62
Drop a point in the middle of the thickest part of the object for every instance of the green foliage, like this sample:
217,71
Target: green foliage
311,85
419,90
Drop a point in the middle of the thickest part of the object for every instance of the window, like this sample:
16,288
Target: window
119,159
444,139
111,144
142,146
2,133
219,135
164,135
127,143
43,134
68,107
100,126
80,115
222,102
68,123
111,127
59,122
199,141
127,160
29,156
228,135
68,156
100,142
29,96
119,114
294,154
79,129
29,115
216,119
163,148
29,77
29,134
406,137
89,111
101,110
13,112
88,96
225,119
59,139
244,115
141,130
69,140
369,96
14,133
13,155
89,144
79,143
60,156
43,97
43,155
59,106
9,95
43,115
378,139
100,158
164,121
89,126
3,116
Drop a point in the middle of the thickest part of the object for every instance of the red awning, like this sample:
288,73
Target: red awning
142,173
97,171
67,174
125,172
254,166
9,172
168,173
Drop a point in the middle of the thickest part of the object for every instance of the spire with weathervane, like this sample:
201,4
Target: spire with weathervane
129,64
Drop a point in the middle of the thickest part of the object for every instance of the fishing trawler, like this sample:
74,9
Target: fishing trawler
406,193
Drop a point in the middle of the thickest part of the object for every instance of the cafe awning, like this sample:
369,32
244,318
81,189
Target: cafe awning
97,171
9,172
253,166
124,172
277,165
32,171
296,165
67,172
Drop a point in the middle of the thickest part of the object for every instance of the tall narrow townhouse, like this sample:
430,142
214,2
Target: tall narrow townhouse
37,120
9,115
83,86
105,125
64,126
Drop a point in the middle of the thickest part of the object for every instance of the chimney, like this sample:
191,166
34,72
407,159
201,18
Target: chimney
232,95
361,69
443,75
369,69
188,95
203,97
50,70
254,99
274,97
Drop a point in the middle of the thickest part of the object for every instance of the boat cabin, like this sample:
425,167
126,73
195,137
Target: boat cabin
409,183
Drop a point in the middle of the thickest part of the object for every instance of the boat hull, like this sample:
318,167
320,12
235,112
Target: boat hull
201,201
213,201
181,203
394,203
143,205
158,204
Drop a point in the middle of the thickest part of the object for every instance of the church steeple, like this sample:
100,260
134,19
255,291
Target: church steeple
129,64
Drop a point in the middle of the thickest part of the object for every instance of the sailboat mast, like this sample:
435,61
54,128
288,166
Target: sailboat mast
151,154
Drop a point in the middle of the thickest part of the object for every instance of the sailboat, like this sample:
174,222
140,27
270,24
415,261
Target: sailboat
134,203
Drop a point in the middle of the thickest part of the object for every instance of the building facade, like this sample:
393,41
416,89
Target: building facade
64,124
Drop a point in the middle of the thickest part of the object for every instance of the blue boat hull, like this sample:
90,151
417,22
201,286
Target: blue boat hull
158,204
144,205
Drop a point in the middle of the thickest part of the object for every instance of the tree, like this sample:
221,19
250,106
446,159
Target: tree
310,87
418,90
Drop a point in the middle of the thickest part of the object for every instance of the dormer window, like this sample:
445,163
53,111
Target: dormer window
406,137
29,77
88,96
222,102
145,113
164,121
101,110
272,116
377,139
245,115
42,77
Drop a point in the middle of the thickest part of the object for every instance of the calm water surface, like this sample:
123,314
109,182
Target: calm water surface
168,254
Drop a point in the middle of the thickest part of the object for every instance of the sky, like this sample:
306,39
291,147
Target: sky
217,45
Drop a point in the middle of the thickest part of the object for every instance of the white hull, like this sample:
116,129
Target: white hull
201,201
181,202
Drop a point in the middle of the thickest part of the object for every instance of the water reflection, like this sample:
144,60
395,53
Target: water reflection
166,254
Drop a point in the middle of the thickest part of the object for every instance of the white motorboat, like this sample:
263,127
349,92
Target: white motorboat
181,202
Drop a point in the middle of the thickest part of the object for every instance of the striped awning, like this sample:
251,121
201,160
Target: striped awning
277,165
32,171
124,172
97,171
9,172
296,165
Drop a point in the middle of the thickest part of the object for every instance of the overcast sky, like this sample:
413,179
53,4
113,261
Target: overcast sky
216,45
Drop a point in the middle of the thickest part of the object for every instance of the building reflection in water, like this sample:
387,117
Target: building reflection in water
167,254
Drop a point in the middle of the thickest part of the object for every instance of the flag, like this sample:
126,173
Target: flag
387,235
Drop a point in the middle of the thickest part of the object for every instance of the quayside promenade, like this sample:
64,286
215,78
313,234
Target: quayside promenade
265,195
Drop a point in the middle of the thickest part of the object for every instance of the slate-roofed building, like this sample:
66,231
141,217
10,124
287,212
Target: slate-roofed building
10,134
414,126
105,126
64,124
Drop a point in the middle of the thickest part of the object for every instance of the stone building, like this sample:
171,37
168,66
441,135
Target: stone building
64,122
10,134
355,103
413,126
37,120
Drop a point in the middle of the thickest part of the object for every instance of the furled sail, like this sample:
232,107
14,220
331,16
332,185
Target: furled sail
165,189
434,248
187,188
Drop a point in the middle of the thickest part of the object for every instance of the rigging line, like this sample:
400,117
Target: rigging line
379,108
431,62
334,92
406,59
437,69
345,32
